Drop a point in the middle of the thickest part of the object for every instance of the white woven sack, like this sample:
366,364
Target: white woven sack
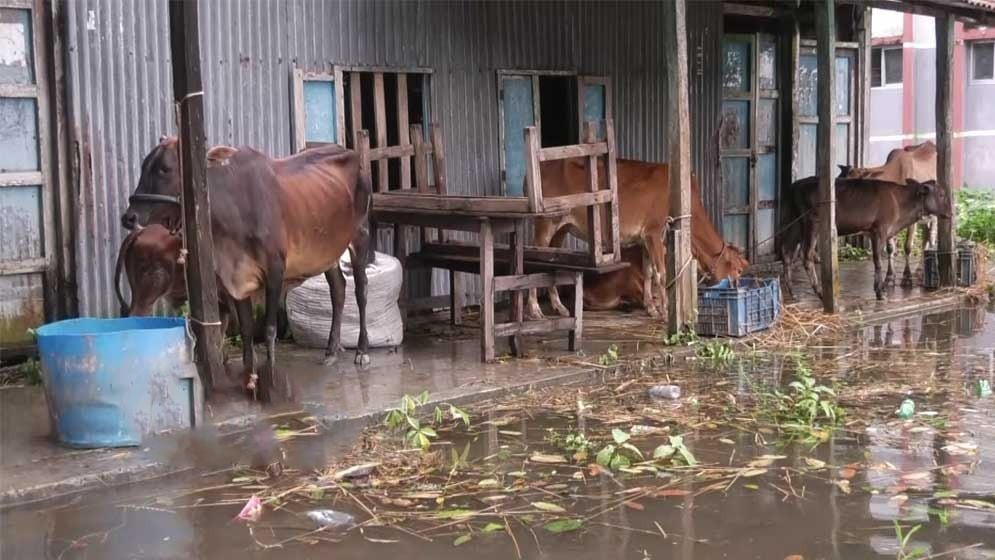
309,307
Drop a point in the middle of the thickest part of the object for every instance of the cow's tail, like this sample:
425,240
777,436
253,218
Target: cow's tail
122,255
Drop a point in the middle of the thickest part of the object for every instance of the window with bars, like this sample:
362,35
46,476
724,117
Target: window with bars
983,61
330,107
886,66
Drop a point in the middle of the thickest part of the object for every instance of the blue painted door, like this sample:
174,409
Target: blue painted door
808,116
594,102
26,240
518,112
748,143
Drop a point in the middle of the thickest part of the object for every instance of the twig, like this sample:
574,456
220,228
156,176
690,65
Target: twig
507,529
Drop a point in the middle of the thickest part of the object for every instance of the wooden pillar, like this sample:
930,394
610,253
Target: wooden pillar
825,25
188,93
680,266
946,238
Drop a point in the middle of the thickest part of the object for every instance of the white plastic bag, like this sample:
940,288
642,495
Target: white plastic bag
309,307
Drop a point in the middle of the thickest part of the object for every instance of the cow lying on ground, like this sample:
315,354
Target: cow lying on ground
911,162
644,206
878,208
275,223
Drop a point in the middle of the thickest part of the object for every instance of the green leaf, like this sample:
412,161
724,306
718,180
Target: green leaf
429,432
663,452
493,527
619,436
413,422
548,507
462,539
458,513
438,415
564,525
619,462
605,455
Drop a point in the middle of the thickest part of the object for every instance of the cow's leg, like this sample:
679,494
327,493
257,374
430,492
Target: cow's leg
649,302
910,238
545,229
877,246
336,288
357,255
243,308
274,291
554,294
809,245
890,247
658,258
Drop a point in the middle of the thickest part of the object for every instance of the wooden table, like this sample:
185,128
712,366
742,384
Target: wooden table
486,223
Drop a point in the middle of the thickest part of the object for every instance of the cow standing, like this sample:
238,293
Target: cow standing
275,222
643,211
911,162
878,208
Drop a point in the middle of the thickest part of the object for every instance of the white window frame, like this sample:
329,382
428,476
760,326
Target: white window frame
975,44
884,73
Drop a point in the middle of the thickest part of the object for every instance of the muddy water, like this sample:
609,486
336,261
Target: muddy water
885,470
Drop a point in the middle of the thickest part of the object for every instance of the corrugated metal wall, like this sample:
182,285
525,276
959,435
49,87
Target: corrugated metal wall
120,94
704,62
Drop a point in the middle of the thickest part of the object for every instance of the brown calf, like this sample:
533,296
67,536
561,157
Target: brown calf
644,207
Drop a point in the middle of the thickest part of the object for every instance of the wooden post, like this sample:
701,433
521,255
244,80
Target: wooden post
679,275
595,243
825,24
201,281
946,236
486,291
533,179
517,240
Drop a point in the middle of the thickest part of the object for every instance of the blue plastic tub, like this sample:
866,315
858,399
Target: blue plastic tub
724,310
109,382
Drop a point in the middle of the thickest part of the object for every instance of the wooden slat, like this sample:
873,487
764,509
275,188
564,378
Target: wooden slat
402,128
553,256
576,335
594,241
18,90
363,147
392,152
19,178
574,151
438,159
356,104
570,201
300,119
535,327
486,291
457,297
421,164
428,201
825,24
534,280
615,240
339,86
533,177
471,263
23,267
517,240
380,116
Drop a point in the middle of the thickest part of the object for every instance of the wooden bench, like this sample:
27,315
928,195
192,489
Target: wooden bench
513,267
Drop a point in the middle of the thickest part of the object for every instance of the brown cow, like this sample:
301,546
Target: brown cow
644,205
276,222
878,208
911,162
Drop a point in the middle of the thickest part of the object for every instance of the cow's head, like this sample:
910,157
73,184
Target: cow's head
730,263
157,198
935,200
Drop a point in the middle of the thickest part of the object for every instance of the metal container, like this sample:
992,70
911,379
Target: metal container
930,270
110,382
967,267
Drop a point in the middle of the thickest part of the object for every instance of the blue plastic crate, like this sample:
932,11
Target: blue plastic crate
724,310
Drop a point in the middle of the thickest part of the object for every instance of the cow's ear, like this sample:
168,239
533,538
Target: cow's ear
163,138
219,155
844,170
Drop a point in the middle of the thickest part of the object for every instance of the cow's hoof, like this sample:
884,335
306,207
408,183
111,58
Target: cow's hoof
561,309
362,359
330,359
907,281
534,314
653,312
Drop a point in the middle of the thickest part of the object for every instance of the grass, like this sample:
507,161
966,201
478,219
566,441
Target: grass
976,215
808,410
416,432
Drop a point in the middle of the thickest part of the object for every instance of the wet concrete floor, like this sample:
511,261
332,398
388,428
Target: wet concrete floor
933,474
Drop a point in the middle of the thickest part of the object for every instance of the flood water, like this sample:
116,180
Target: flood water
933,474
